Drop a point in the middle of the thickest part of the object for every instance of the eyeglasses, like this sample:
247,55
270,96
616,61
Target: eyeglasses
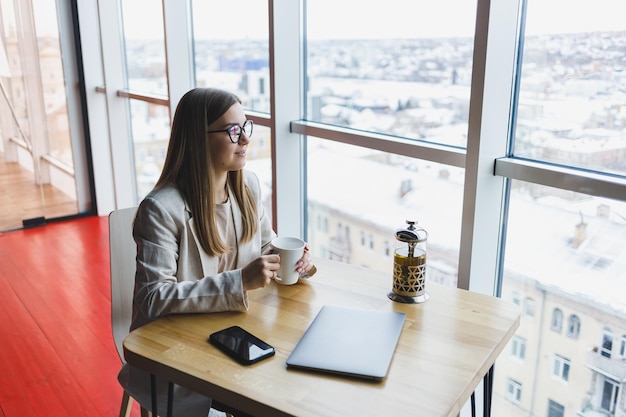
234,131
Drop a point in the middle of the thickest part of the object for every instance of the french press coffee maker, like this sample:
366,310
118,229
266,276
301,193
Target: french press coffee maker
409,265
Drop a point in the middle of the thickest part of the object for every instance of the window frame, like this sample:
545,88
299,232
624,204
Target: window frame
556,322
607,345
573,326
516,298
561,368
555,409
516,396
615,387
530,307
487,160
518,348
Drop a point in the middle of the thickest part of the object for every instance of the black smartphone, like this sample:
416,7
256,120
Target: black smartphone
240,345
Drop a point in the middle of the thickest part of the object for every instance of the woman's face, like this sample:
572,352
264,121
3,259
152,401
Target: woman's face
226,155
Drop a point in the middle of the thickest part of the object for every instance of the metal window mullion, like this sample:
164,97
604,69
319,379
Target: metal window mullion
484,198
97,122
285,105
151,98
178,49
567,178
78,141
118,109
442,154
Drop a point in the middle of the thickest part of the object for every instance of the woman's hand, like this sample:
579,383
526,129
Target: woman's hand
304,266
259,272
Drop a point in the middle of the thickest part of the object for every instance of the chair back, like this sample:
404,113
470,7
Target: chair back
123,252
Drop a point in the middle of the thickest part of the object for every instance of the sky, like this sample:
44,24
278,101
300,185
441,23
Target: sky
328,19
571,16
349,19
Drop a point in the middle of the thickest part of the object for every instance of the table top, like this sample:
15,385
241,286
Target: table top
446,347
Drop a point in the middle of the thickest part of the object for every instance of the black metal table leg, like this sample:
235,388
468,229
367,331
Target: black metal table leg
153,392
487,391
473,400
170,399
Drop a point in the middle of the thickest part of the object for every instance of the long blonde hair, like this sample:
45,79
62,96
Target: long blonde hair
188,165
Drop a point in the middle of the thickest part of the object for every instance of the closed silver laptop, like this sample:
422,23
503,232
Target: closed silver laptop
348,341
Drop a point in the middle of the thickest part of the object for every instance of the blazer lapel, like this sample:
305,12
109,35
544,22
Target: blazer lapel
208,263
242,250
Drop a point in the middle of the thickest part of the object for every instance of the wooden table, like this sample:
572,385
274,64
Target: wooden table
448,344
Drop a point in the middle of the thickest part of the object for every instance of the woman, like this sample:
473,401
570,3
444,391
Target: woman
202,233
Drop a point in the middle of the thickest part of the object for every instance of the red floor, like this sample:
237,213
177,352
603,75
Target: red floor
57,355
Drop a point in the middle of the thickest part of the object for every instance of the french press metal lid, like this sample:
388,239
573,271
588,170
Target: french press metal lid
412,236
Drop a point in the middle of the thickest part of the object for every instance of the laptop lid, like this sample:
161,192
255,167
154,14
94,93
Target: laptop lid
349,341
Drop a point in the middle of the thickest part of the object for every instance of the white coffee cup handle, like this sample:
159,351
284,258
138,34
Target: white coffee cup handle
279,279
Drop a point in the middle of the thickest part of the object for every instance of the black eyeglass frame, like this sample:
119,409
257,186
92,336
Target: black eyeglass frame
242,129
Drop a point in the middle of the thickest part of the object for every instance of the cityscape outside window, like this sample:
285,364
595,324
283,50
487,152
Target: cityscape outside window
231,49
236,60
570,111
144,48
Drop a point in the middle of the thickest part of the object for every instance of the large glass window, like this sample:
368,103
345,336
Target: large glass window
144,43
403,69
145,59
231,45
53,82
151,133
360,213
231,51
259,160
568,250
571,97
37,159
565,248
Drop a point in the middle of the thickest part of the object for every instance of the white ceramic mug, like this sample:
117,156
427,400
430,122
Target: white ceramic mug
290,250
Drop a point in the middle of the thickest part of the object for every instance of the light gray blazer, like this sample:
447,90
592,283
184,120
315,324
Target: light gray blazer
175,275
